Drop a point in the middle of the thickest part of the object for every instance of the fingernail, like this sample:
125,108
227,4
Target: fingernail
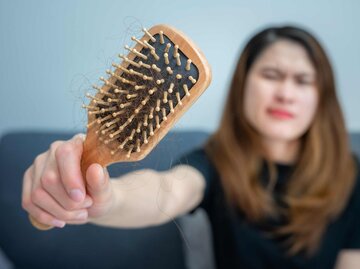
102,176
88,203
77,195
79,138
83,215
58,223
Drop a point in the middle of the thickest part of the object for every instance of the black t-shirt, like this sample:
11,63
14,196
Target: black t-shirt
241,244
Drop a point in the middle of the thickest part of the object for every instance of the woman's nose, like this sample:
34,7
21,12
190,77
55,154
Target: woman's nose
285,91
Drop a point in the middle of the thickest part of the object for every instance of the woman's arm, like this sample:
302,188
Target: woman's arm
148,197
55,192
348,259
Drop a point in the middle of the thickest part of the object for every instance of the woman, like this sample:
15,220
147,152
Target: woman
277,178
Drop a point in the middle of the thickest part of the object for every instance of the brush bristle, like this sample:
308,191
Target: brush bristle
141,92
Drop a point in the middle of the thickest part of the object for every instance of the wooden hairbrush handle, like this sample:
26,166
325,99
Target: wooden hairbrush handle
143,97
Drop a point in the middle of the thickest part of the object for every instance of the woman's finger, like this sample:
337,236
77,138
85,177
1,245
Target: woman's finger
100,189
98,183
26,188
43,200
38,168
68,157
44,217
51,182
38,214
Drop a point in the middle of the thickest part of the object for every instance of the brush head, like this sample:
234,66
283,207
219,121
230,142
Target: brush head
143,96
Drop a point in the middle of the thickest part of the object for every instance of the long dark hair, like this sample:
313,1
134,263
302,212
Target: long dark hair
323,176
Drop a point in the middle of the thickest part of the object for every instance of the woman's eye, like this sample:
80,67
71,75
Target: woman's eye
304,82
271,76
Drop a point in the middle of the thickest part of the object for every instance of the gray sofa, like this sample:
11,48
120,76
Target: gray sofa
183,243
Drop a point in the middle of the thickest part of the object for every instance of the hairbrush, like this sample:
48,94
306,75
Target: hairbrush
143,96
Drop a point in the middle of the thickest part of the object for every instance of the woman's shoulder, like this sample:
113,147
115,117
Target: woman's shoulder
357,173
354,201
351,213
357,162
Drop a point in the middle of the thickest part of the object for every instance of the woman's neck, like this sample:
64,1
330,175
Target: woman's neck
281,151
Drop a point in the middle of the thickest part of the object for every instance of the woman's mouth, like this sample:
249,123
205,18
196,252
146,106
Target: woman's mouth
280,114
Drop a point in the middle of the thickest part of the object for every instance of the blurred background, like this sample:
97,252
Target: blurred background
52,51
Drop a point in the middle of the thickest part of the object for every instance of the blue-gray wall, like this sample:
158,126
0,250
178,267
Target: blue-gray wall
52,51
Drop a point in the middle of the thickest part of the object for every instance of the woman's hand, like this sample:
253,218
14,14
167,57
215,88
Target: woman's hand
54,191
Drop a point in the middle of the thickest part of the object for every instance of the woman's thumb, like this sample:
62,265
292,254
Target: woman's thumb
97,182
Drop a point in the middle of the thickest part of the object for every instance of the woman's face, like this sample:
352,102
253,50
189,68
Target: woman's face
281,95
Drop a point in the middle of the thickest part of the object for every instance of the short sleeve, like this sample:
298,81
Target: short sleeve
353,232
198,159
